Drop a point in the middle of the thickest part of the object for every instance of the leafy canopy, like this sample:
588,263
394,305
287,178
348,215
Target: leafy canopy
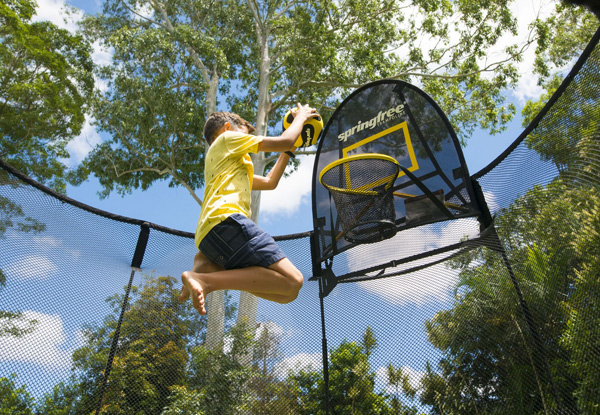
45,82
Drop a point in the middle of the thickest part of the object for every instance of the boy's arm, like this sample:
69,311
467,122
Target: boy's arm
271,180
287,139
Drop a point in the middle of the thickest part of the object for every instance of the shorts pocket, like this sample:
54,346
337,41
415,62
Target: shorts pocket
223,241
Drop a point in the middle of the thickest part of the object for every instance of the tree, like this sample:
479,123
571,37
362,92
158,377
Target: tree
491,358
548,234
561,38
14,400
544,234
401,383
45,81
351,383
269,392
218,378
580,337
573,149
260,57
151,356
63,400
185,402
369,341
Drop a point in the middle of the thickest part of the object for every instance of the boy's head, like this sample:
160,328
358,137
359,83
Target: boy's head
217,120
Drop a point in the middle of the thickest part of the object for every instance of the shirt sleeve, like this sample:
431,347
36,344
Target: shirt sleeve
240,143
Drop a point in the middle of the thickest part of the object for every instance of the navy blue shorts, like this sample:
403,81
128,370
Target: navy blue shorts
237,242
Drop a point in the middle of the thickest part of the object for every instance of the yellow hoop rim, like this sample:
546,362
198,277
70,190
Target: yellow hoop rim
363,156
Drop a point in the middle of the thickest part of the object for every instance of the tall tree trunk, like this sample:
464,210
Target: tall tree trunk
249,303
215,327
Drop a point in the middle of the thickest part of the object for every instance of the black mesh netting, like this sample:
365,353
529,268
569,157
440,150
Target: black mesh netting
507,321
362,190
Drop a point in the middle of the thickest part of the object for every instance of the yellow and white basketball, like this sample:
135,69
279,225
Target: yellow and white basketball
311,130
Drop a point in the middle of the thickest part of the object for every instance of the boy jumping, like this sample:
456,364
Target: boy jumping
234,253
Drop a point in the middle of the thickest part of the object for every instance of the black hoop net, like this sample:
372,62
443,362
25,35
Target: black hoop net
361,188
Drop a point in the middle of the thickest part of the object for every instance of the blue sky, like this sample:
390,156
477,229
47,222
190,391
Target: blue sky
284,211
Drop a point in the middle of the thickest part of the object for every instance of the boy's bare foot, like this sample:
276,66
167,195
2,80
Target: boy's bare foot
194,286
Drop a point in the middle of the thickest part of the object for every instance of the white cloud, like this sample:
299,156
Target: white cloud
42,346
81,145
45,242
291,192
31,267
298,362
48,242
492,201
273,329
421,286
414,378
101,55
146,11
54,11
68,17
527,12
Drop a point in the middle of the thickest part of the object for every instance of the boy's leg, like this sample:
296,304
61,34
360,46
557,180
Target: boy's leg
290,272
203,265
280,282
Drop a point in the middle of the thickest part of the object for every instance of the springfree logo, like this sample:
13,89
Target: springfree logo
382,116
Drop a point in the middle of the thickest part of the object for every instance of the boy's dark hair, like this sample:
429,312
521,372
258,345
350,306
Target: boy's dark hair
217,120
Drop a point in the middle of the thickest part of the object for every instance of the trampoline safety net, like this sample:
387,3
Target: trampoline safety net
510,325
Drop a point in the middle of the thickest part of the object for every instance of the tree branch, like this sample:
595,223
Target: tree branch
253,5
289,6
139,15
170,28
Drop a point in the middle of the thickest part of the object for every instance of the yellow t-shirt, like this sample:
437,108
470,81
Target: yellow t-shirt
228,173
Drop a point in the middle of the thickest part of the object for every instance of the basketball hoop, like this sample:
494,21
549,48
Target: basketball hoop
361,187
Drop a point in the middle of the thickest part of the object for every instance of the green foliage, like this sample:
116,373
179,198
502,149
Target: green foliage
155,104
351,384
13,324
13,216
491,361
45,82
268,390
562,37
151,357
14,400
582,338
570,124
350,372
369,341
174,62
63,400
185,402
219,377
400,381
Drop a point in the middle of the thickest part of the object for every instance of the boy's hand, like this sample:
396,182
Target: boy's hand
304,112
